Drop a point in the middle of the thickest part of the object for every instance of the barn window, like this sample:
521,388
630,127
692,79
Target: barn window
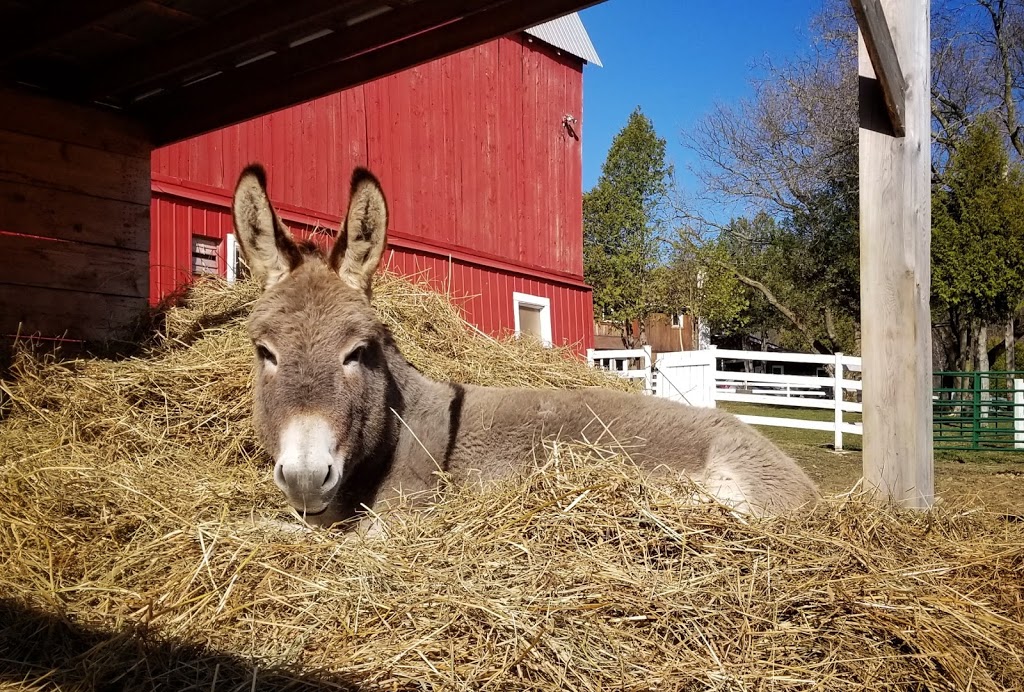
204,255
233,259
532,316
677,320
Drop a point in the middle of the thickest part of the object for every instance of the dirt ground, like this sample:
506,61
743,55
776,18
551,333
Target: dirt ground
994,481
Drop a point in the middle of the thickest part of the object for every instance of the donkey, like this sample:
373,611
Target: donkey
351,424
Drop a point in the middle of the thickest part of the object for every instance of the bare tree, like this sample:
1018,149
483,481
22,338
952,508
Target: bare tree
796,138
773,152
977,67
787,151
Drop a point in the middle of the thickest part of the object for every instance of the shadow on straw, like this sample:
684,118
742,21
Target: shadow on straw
42,651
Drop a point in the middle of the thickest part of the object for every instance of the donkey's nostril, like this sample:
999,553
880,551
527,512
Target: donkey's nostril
279,477
331,477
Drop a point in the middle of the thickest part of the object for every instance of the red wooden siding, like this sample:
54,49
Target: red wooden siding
484,181
485,295
470,148
483,289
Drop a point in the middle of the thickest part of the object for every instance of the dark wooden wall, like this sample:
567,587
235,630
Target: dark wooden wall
661,335
74,221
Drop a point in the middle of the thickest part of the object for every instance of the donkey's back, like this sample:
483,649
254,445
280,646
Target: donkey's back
502,429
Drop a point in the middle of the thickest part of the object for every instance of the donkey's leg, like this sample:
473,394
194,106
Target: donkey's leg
730,474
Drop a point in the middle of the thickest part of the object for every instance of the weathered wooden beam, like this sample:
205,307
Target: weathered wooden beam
75,188
400,39
72,266
252,24
32,113
878,40
895,251
50,213
50,162
330,64
51,21
53,312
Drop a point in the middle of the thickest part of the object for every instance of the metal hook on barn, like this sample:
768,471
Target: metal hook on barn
568,121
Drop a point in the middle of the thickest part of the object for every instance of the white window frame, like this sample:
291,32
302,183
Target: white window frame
231,255
535,302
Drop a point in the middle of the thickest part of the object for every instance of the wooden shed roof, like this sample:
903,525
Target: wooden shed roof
183,67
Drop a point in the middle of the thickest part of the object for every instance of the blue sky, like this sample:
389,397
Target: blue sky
675,59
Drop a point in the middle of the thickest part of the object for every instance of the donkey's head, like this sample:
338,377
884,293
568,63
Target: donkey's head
321,386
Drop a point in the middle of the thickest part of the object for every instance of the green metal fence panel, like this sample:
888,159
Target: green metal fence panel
979,410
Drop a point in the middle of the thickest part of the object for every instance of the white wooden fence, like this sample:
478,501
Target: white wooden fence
694,378
631,363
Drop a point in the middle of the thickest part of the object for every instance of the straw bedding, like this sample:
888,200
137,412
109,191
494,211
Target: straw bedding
143,546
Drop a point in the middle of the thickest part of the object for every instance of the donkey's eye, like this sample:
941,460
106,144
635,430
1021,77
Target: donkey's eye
354,356
265,354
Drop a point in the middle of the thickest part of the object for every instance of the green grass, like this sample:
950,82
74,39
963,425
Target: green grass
994,480
814,438
853,443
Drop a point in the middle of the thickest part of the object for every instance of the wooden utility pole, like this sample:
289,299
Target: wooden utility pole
895,248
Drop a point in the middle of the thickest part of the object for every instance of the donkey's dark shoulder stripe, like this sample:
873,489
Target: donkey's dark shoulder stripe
454,421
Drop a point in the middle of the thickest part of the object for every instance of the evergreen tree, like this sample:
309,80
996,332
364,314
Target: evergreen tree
623,227
978,237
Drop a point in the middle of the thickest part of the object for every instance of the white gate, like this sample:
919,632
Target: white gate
687,377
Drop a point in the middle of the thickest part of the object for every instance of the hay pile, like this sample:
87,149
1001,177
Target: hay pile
138,551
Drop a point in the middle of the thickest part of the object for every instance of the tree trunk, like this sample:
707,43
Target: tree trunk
983,367
628,338
982,354
965,348
1011,347
1000,346
764,348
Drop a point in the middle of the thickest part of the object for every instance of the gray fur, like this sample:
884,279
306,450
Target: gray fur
392,428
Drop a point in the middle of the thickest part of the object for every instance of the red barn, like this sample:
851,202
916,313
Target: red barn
479,153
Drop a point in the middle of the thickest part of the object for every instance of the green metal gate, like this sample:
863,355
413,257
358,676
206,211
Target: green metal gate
979,410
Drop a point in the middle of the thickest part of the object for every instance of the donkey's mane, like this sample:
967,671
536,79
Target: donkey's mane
309,250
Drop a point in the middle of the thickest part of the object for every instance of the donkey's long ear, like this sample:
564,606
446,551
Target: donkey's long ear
267,246
363,238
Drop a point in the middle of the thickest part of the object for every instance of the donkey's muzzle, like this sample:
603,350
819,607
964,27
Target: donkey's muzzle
306,469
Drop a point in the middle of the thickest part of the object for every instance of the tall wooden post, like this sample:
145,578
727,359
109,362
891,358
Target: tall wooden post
895,248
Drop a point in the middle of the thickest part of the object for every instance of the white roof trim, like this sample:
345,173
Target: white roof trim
568,34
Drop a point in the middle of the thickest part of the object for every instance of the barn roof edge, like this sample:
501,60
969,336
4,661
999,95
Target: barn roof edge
568,34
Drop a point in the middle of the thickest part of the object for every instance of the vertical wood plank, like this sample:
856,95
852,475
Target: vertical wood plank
895,217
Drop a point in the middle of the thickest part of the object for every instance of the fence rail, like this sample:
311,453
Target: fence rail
695,378
979,410
795,391
971,410
628,363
